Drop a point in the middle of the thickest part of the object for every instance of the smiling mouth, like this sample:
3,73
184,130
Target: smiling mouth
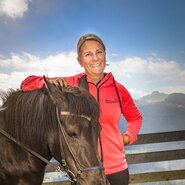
95,65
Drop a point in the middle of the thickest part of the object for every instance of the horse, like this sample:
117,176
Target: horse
51,122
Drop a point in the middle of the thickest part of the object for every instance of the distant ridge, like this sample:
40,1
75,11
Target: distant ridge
162,112
155,97
175,99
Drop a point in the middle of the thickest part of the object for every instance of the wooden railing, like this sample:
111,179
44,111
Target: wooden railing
157,156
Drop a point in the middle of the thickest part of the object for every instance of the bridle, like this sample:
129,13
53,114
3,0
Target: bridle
80,168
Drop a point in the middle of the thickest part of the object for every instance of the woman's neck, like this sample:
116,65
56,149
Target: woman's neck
96,79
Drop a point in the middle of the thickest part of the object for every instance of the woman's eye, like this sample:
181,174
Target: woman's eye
88,54
72,134
100,52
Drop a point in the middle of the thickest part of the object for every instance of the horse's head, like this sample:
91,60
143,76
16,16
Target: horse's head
78,130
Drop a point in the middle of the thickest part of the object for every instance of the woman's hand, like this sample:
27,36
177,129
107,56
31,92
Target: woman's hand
126,139
59,81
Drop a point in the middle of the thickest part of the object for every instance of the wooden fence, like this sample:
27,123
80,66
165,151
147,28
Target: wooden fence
147,157
158,156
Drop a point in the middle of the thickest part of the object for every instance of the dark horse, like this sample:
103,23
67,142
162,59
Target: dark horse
59,122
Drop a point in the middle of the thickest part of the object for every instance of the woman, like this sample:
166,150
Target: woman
114,100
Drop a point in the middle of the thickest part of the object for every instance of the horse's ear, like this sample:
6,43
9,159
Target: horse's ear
47,83
52,89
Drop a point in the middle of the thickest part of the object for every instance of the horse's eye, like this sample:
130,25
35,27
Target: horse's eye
72,134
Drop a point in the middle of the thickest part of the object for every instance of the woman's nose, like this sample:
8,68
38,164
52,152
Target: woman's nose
95,57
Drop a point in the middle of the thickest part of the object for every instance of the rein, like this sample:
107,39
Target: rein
53,166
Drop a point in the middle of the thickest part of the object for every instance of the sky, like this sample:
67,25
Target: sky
145,41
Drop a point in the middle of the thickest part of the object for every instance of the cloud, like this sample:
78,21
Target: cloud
13,8
144,75
19,66
140,76
153,66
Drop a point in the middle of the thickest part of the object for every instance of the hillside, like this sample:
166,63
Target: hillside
153,98
161,112
177,99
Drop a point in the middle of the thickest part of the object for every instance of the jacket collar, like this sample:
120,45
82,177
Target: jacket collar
107,77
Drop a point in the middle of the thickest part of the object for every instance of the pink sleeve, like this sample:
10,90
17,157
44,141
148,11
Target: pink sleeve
37,82
73,80
131,114
32,82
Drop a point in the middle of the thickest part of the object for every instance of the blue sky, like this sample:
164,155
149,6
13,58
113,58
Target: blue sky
145,40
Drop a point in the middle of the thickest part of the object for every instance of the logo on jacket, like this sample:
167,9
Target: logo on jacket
111,101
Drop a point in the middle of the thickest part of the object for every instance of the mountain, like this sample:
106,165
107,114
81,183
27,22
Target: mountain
161,112
157,97
177,99
153,98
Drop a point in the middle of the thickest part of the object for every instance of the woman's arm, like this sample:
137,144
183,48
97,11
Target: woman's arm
36,82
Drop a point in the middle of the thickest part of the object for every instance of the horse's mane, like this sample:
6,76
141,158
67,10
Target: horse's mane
25,114
28,113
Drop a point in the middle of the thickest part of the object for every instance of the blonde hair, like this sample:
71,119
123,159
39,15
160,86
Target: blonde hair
86,37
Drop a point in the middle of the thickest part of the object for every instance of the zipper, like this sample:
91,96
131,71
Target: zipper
98,99
98,90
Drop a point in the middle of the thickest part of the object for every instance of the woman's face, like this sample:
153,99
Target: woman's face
92,57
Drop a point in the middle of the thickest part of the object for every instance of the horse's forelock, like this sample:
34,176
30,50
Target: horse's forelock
81,102
72,90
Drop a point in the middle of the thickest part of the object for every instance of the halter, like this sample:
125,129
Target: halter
80,168
65,113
